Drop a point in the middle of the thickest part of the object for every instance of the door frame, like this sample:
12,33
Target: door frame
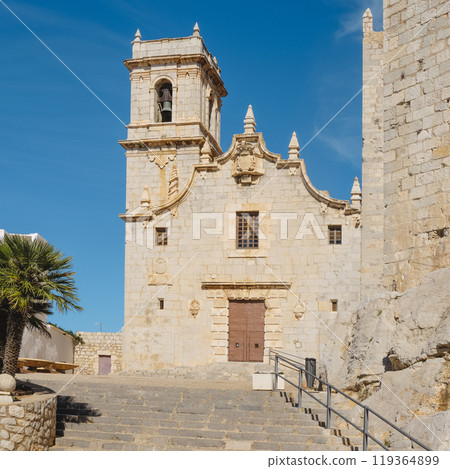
245,338
220,293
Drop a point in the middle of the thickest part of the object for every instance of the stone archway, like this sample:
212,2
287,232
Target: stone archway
222,293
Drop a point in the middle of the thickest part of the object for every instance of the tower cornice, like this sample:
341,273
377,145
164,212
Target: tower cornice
201,59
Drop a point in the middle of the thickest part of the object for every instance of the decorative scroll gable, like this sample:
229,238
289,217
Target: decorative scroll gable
247,153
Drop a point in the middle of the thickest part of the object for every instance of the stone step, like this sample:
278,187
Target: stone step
112,415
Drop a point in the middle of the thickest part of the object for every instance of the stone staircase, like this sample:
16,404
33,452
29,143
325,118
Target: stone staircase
178,413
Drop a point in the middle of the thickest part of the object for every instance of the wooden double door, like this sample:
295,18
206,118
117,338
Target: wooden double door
246,331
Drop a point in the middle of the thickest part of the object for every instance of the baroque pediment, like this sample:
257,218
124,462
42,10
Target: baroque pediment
247,154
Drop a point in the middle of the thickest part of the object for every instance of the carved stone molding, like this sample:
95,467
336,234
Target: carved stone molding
299,310
194,307
161,159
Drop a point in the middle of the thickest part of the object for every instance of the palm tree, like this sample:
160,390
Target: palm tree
3,322
35,322
34,276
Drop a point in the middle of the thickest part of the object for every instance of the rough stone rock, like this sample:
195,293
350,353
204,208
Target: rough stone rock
391,333
433,430
402,341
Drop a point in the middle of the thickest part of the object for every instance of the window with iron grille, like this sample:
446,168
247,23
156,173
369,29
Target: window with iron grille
161,236
247,228
335,234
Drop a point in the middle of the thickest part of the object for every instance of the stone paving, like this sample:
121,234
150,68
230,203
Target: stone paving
178,413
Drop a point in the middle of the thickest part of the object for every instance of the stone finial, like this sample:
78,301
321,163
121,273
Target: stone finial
356,194
137,36
294,147
206,153
249,121
7,383
145,197
196,30
7,386
367,21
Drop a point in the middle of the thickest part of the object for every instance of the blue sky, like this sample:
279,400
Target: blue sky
62,172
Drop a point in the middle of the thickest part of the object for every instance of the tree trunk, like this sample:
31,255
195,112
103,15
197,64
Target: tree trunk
14,333
3,322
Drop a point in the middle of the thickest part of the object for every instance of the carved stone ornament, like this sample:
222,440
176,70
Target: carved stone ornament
160,266
194,308
161,159
299,310
247,163
245,159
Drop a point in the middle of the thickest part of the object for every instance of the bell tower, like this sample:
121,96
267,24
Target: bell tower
176,99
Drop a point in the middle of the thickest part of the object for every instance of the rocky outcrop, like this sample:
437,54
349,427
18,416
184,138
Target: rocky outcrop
395,356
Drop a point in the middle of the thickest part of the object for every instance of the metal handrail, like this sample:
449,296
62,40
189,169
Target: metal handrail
280,359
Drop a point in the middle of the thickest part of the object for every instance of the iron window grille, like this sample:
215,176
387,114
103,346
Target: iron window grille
247,230
335,234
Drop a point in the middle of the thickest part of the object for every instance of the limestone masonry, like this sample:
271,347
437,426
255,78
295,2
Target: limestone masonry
230,253
98,347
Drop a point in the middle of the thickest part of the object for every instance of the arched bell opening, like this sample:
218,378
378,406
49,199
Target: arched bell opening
164,101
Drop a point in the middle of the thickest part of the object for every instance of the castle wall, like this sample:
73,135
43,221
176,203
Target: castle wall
372,216
416,140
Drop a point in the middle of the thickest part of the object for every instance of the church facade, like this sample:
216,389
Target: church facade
232,252
217,268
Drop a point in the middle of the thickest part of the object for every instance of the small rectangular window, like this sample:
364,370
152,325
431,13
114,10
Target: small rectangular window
335,234
161,236
161,303
334,305
247,230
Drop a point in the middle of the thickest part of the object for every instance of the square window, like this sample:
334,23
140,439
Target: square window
161,235
335,234
247,230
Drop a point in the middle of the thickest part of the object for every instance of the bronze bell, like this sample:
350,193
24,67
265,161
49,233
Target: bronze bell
166,106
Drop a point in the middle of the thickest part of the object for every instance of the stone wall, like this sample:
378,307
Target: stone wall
372,215
29,424
416,139
96,344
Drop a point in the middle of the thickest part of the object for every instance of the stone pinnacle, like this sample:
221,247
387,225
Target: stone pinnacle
249,121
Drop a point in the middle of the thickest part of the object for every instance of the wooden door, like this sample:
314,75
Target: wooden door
246,331
104,364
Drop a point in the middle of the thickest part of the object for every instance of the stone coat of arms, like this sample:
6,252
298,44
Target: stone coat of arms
247,163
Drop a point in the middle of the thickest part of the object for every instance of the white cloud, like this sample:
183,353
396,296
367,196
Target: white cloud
344,140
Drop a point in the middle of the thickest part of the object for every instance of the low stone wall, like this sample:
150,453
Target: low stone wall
29,424
95,345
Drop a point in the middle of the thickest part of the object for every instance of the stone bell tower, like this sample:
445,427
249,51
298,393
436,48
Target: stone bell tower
176,99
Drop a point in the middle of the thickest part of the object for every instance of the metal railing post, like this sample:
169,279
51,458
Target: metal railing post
366,428
328,423
275,384
300,380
